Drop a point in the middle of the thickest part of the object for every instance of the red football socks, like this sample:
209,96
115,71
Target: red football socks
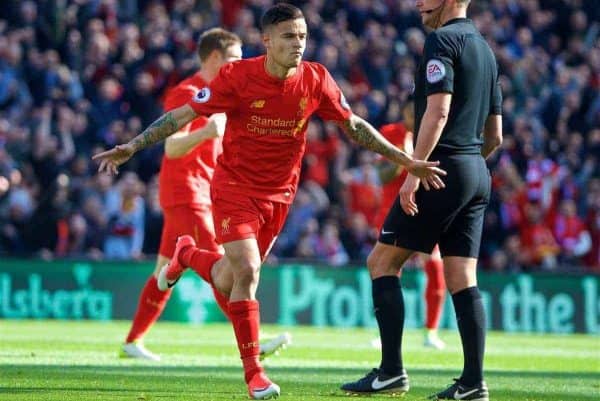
434,292
202,262
199,260
151,304
245,317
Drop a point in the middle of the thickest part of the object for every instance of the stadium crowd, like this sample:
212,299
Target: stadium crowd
78,76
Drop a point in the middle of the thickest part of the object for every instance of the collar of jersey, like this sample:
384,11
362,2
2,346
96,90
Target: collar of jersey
457,20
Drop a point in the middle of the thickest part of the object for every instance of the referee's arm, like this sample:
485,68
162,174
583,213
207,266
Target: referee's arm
492,130
492,135
433,123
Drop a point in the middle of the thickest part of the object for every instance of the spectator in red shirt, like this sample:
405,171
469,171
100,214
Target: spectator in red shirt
539,246
571,233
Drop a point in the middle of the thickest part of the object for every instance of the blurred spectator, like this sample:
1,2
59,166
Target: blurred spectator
308,240
125,236
49,235
537,242
310,202
92,212
329,247
570,232
510,258
358,237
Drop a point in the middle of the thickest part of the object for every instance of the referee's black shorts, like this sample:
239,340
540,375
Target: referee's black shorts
451,217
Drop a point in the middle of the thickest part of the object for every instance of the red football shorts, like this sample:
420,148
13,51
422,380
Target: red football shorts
238,216
181,220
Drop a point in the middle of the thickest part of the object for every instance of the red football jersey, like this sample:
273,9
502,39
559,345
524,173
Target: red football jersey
396,134
186,180
265,135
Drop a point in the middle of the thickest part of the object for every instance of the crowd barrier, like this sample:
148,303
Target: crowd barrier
292,294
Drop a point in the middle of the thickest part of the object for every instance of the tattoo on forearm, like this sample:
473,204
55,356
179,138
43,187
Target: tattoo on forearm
368,137
156,132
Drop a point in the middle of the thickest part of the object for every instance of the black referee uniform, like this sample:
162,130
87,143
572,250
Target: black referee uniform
456,60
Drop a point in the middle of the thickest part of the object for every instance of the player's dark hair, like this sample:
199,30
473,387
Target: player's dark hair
216,39
280,12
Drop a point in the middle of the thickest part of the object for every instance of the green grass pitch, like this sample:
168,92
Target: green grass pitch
61,360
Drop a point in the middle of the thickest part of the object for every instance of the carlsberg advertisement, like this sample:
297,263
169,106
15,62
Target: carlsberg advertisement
292,294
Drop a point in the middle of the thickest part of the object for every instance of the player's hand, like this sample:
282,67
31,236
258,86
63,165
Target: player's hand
407,195
216,125
428,172
113,158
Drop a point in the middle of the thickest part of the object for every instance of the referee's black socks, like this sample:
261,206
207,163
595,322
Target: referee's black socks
388,303
470,316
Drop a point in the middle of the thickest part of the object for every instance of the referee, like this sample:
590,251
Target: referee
458,122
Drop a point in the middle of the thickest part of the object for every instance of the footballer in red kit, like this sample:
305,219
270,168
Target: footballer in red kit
184,182
184,189
393,179
267,101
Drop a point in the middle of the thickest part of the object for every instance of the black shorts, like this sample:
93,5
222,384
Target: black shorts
451,217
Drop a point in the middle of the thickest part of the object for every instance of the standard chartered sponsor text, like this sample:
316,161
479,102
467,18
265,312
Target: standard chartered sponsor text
274,126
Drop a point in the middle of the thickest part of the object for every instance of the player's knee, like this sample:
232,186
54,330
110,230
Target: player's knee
246,271
372,262
379,265
459,280
460,273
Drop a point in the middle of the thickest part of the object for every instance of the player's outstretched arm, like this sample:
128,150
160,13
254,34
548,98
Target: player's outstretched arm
164,126
365,135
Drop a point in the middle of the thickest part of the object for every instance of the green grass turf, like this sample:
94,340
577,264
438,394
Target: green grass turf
60,360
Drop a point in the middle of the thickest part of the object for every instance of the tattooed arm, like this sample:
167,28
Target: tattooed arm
164,126
365,135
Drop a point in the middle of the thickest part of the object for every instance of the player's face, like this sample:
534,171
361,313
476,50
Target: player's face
430,11
286,42
232,53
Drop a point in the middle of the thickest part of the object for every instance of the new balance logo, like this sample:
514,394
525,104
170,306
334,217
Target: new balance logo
257,104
